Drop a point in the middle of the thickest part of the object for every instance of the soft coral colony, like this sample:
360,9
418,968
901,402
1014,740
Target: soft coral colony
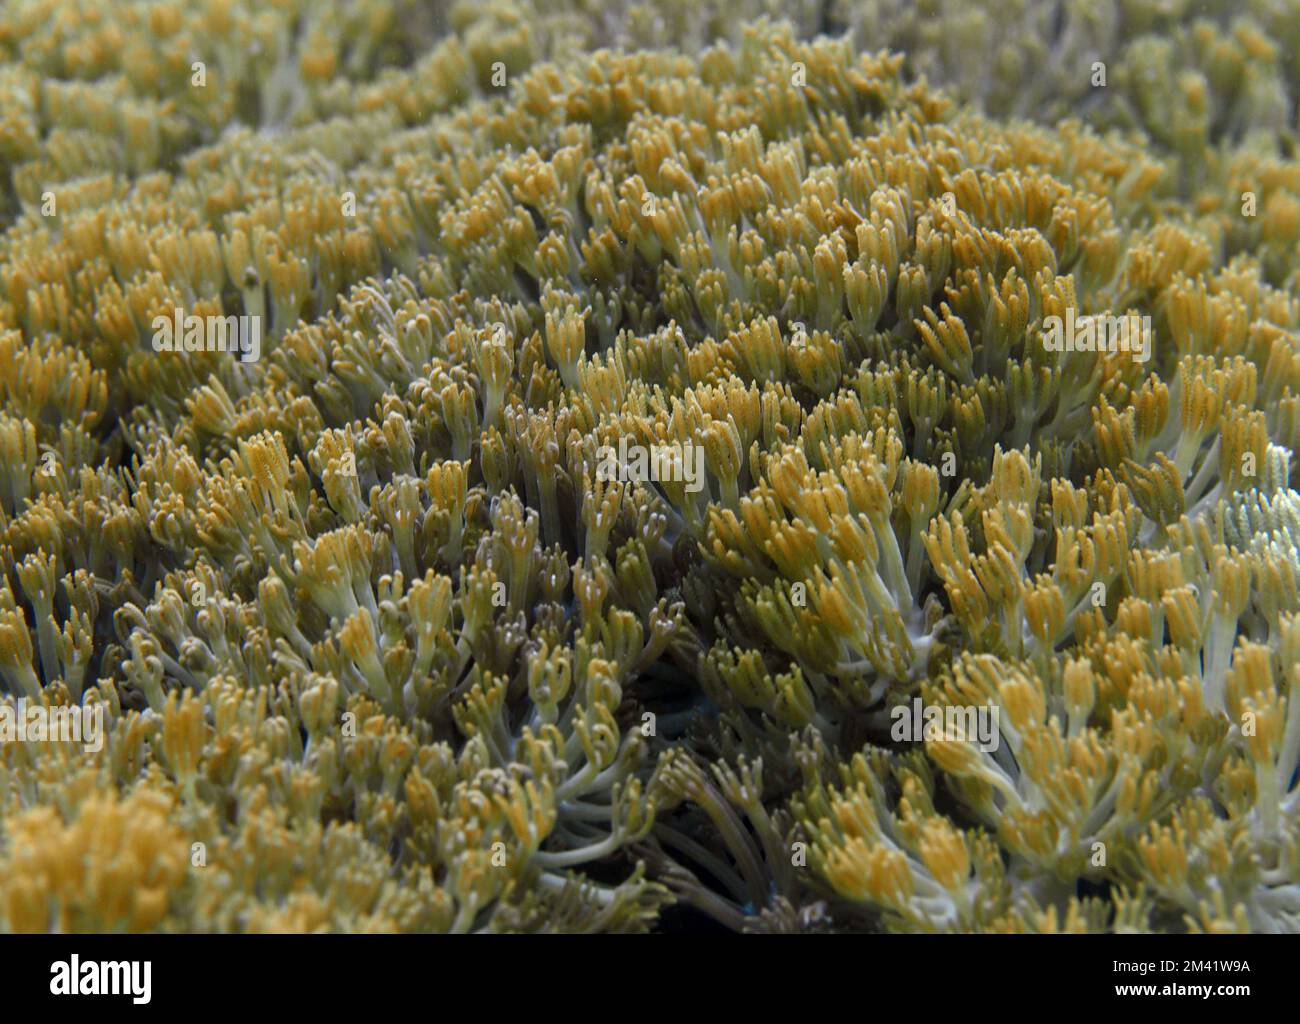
380,648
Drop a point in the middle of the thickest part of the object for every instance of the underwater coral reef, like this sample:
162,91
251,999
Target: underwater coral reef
587,467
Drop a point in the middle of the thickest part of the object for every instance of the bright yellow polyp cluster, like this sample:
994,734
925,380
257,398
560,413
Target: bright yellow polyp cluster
642,436
117,866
